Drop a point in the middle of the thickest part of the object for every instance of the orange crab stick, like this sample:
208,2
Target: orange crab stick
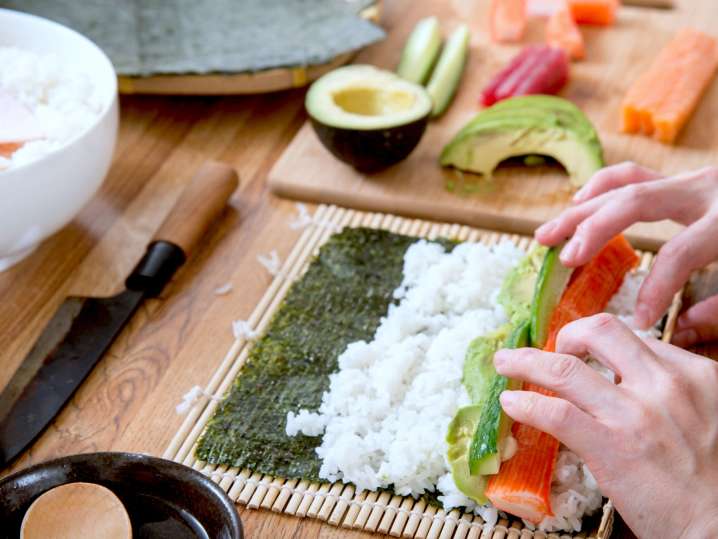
523,485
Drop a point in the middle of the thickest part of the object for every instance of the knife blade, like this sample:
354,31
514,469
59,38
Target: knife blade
82,329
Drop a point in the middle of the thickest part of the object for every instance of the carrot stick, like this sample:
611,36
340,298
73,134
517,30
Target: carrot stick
523,485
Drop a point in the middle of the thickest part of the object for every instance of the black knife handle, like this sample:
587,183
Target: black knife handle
156,267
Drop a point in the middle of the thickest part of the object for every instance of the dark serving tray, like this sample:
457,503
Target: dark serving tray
163,499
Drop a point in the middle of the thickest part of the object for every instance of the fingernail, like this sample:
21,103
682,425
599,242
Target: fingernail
571,250
546,228
508,399
580,194
501,357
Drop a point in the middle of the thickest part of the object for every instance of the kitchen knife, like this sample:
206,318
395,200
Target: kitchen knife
82,329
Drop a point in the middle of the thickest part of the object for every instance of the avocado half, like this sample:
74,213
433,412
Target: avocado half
528,125
368,117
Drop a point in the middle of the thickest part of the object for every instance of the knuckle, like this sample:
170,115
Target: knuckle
564,368
603,321
674,251
635,195
559,414
528,405
632,168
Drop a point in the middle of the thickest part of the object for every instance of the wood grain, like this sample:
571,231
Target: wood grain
517,200
201,203
176,341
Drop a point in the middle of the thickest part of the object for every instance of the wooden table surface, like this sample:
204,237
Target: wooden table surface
175,341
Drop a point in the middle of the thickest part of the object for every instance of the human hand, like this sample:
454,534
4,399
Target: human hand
619,196
651,441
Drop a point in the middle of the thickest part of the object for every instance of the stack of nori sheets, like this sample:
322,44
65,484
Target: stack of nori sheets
147,37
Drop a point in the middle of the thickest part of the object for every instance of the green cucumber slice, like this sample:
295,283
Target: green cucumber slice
447,73
420,51
551,283
494,425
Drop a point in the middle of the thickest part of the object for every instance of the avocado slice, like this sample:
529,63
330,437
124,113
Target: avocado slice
517,290
447,73
458,437
420,51
368,117
479,370
494,425
527,125
551,283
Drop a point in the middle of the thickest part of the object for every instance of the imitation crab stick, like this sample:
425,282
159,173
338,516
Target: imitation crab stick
593,11
523,485
592,286
563,32
507,20
662,100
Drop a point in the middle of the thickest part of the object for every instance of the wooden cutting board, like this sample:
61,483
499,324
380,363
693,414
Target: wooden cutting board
518,199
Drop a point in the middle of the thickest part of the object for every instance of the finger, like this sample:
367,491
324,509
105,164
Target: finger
613,177
621,209
691,249
566,375
562,227
611,342
598,228
557,417
697,324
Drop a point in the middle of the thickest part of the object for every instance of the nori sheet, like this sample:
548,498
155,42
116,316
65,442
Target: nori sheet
340,299
147,37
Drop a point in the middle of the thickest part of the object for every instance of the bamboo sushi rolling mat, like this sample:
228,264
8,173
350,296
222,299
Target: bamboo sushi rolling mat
338,503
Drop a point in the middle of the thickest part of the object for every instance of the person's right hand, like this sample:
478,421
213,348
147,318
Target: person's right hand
621,195
651,442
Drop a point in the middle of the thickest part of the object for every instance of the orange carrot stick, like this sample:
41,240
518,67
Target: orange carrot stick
523,485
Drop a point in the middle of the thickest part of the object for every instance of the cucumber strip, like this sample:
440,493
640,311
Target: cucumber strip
447,73
420,51
494,425
551,283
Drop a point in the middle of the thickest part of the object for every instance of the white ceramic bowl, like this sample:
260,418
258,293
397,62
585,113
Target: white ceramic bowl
40,197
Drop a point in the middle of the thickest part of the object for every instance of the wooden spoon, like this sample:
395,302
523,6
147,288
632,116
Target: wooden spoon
76,510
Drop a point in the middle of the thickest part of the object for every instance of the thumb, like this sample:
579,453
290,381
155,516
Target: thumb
698,324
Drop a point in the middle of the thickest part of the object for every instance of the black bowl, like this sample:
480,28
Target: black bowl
164,499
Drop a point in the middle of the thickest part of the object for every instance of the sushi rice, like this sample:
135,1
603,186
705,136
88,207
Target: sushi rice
385,416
